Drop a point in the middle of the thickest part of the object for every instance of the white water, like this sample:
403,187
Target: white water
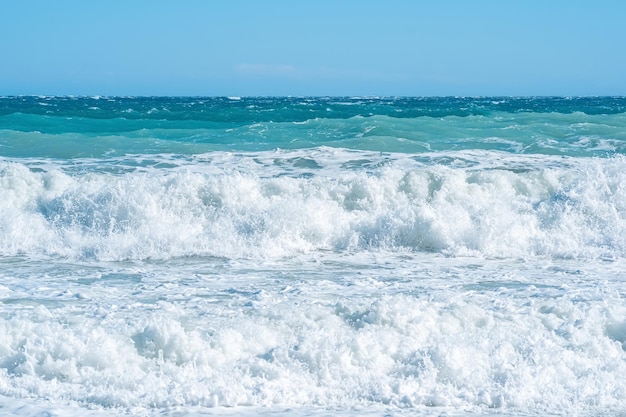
317,283
271,205
333,332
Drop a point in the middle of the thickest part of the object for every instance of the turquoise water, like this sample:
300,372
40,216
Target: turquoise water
312,256
67,127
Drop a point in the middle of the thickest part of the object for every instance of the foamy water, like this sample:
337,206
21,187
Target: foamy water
280,204
316,280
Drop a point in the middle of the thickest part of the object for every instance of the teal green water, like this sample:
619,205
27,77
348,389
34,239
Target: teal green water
67,127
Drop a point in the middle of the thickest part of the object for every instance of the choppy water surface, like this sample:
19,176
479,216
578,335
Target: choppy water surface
312,256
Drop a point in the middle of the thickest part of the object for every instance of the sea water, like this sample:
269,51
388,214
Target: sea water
312,256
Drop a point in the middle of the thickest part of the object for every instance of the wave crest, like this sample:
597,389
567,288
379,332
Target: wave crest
567,211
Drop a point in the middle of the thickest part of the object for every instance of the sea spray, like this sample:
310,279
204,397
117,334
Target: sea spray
312,256
573,208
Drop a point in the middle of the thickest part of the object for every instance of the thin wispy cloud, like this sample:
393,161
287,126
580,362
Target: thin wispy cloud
265,69
283,70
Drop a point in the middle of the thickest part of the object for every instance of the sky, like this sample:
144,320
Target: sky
313,48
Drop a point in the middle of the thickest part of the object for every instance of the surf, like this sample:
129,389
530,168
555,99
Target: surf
282,204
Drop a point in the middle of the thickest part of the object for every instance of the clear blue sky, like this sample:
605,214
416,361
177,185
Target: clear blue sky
321,47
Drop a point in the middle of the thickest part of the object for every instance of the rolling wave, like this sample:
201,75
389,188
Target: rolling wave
279,205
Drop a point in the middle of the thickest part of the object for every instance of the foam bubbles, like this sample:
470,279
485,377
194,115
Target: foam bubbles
177,263
466,350
323,278
360,204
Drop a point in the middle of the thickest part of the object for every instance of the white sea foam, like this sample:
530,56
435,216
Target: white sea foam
272,205
411,337
302,281
188,266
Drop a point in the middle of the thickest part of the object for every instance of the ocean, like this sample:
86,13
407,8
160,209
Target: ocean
312,256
